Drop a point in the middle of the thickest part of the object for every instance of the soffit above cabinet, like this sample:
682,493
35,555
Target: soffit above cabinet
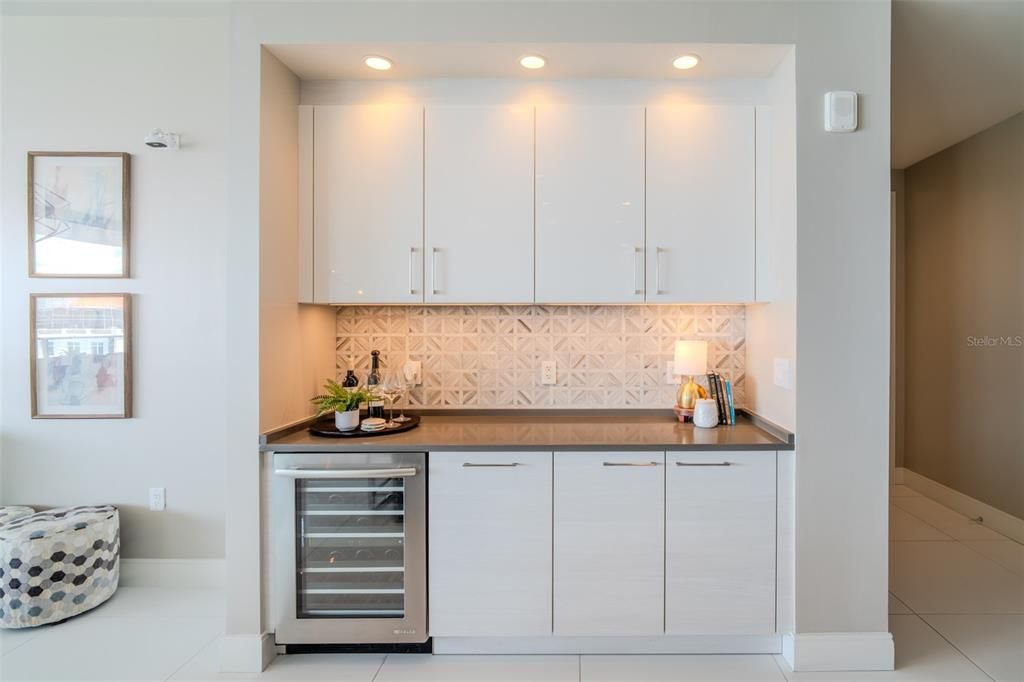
414,61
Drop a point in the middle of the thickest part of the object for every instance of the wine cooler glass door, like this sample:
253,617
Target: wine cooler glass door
356,573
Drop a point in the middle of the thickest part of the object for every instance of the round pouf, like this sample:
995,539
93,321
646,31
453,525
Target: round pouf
12,513
57,563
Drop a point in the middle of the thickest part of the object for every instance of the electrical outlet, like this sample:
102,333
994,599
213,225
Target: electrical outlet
158,499
548,372
670,373
413,370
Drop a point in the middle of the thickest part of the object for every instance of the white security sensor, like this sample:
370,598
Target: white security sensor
159,139
840,111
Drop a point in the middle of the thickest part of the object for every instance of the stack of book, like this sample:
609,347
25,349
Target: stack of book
720,390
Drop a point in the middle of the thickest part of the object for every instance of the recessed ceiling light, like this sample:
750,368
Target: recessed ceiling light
687,61
377,62
532,61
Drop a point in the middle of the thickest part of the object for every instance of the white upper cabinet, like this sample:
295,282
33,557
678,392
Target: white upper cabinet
720,543
367,196
479,204
590,204
700,204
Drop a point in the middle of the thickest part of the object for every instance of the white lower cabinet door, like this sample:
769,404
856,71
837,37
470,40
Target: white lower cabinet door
720,543
609,543
490,543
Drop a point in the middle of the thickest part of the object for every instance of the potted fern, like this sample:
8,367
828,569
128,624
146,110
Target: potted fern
344,402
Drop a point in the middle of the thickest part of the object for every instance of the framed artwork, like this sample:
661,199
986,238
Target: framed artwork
79,210
81,356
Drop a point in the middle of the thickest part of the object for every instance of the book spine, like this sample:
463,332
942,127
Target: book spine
723,416
732,405
713,389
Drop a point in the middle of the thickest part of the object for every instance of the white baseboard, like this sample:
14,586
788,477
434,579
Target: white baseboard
200,573
246,653
658,644
839,651
997,520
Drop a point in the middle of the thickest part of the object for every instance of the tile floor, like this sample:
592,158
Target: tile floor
956,605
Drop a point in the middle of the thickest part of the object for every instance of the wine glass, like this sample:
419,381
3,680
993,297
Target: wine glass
391,388
406,383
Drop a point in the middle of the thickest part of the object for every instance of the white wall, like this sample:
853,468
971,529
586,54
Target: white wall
100,84
842,260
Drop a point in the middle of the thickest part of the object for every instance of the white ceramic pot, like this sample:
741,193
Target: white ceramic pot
346,421
705,413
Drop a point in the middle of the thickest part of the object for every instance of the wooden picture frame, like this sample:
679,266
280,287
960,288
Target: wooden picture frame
95,383
68,196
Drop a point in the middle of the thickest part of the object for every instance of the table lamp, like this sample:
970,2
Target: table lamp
691,359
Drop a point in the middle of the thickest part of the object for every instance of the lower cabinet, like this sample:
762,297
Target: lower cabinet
720,543
609,543
489,543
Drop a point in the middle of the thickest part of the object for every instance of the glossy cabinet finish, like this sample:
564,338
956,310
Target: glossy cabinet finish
490,543
720,543
478,223
700,204
609,543
590,204
367,200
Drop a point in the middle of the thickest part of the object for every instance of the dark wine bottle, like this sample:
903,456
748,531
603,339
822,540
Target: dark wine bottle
350,380
375,407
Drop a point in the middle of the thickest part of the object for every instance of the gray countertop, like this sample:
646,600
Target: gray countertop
579,430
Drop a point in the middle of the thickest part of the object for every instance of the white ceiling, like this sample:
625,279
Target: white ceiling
958,68
413,61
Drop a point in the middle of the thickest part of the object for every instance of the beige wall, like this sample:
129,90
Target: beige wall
965,282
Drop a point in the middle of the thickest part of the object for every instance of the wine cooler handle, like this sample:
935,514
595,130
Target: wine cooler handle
631,464
703,464
638,252
474,464
433,270
400,472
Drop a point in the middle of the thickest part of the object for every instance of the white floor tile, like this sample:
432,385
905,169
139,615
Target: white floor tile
896,607
155,602
427,668
900,490
949,577
921,656
903,527
677,668
109,649
12,639
1006,553
205,667
951,523
994,643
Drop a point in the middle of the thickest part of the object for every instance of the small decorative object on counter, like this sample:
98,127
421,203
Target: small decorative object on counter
691,358
705,413
344,402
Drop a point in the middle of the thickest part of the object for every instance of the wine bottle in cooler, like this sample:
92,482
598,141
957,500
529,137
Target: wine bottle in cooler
376,404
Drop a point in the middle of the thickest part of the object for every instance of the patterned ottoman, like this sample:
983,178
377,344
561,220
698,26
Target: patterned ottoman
57,563
8,514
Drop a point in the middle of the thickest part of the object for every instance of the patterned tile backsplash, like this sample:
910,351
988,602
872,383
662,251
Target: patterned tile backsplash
490,356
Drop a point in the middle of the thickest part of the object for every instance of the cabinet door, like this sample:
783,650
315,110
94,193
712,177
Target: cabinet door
720,543
590,204
368,204
609,543
490,543
700,204
479,204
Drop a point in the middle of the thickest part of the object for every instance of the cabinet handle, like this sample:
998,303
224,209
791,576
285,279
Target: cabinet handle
638,252
657,271
703,464
433,270
474,464
631,464
412,258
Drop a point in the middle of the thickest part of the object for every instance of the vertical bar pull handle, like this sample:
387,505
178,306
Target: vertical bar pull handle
433,270
412,269
638,253
657,271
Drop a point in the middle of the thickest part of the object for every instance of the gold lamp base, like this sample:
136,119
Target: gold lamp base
686,398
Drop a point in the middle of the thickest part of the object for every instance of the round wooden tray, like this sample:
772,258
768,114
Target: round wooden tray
325,427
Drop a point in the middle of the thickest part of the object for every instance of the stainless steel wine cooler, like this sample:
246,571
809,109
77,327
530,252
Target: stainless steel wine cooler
349,547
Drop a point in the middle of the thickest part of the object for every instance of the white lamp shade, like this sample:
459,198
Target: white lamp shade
691,357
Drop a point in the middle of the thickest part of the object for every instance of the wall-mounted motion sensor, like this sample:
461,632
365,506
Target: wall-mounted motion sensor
159,139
